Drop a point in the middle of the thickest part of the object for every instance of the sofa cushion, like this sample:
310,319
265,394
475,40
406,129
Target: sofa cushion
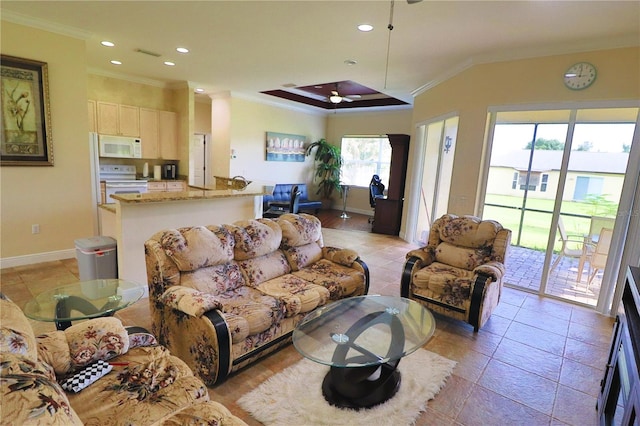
254,238
83,344
302,256
462,257
299,296
197,247
467,231
153,385
214,279
16,335
260,269
339,280
30,393
260,311
299,229
446,283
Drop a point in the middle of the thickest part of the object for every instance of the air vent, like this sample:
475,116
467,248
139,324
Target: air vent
147,52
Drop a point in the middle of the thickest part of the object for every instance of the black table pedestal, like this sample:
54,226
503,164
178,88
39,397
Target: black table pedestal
350,387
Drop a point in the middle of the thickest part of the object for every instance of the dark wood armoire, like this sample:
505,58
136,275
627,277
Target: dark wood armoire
388,211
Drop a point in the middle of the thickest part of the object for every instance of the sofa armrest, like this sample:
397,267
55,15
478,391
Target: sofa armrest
425,256
190,301
495,270
413,264
340,256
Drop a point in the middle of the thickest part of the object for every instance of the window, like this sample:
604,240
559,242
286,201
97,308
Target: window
363,157
545,181
534,179
514,183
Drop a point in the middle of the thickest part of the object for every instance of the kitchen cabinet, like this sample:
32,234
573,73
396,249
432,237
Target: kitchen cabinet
168,135
167,186
117,119
149,132
92,116
159,134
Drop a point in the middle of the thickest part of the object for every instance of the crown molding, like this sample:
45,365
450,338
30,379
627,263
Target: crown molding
127,77
29,21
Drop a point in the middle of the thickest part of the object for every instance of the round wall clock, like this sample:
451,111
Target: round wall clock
580,76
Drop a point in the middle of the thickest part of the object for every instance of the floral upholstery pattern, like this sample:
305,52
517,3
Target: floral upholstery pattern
79,345
148,386
459,273
279,271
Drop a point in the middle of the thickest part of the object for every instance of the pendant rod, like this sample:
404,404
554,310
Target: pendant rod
390,28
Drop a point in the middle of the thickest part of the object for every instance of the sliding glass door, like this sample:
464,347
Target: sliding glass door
438,141
555,178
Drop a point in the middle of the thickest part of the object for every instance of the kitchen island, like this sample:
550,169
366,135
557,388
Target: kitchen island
133,218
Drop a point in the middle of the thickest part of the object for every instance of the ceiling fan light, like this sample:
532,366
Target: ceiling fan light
335,99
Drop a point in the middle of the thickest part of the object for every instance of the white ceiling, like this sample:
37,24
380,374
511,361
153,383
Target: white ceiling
246,47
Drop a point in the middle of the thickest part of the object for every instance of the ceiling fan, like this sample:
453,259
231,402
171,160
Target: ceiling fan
336,97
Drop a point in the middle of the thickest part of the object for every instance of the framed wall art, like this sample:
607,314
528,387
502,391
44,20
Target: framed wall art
285,147
25,127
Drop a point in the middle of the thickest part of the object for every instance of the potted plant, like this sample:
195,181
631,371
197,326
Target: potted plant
327,162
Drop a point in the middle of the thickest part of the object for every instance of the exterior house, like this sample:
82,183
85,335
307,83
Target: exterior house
598,174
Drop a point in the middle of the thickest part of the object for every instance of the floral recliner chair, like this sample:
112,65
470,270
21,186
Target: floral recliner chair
147,386
459,273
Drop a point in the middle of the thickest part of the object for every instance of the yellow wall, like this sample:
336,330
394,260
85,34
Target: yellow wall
528,81
250,121
109,89
202,117
57,198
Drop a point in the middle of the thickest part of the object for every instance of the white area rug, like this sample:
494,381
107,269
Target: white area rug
294,396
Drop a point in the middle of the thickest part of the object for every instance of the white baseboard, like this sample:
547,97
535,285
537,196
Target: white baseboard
30,259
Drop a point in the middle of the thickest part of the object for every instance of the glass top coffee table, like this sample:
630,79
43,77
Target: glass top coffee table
83,300
363,339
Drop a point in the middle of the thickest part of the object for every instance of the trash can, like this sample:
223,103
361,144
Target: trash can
97,258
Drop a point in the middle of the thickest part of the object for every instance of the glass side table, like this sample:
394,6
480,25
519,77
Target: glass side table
83,300
363,339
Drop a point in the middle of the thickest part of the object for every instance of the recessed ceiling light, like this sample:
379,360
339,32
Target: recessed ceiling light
169,63
107,43
365,27
116,62
182,49
199,90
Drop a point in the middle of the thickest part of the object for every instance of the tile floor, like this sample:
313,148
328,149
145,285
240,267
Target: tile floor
536,362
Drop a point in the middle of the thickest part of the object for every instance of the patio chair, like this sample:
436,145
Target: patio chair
460,271
596,225
598,259
568,241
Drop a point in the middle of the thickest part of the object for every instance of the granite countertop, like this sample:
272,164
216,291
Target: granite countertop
221,188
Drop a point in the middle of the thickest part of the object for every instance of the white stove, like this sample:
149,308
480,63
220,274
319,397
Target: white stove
121,179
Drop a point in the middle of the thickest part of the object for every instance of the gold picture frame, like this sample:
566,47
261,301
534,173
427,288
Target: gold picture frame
25,125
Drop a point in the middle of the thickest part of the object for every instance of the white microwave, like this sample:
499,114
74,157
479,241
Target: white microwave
120,146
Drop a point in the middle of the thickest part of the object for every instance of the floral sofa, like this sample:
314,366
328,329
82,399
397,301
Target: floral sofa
147,385
223,296
459,273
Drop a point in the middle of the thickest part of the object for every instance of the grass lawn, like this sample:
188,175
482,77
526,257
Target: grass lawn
536,226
